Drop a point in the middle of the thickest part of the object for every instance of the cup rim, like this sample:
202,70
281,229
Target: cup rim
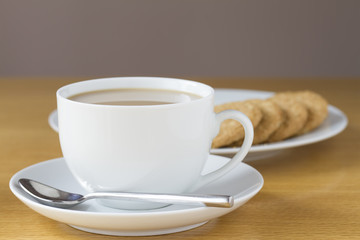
177,84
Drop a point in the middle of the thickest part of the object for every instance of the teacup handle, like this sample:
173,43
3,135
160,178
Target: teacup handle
239,156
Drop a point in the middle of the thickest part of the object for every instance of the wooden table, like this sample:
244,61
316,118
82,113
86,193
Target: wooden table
310,192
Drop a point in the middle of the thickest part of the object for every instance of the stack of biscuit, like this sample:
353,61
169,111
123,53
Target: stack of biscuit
282,116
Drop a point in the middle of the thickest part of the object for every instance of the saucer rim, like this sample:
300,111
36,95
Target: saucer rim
14,186
140,223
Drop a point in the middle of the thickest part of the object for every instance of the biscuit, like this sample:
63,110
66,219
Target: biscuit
296,115
272,118
231,130
315,104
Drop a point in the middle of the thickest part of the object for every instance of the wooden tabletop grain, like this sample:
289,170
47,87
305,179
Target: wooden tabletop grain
310,192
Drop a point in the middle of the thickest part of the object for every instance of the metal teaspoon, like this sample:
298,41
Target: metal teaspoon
57,198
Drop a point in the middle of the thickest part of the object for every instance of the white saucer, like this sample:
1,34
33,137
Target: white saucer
243,182
333,125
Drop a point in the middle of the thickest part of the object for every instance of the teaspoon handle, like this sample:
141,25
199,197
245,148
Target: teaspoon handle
184,199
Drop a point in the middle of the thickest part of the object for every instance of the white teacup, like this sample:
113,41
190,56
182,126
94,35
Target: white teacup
141,146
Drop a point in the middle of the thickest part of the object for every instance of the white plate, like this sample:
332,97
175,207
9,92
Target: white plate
333,125
243,182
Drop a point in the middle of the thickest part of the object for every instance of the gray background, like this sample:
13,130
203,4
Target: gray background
255,38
